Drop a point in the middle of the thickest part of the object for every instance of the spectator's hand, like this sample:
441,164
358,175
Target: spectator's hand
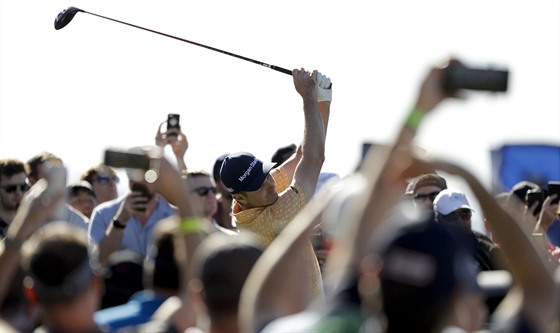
160,137
548,213
178,142
324,91
306,83
37,206
432,92
175,138
126,209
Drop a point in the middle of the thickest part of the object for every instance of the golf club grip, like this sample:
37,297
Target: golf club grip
282,70
276,68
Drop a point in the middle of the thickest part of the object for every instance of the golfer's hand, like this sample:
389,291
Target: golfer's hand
305,83
324,91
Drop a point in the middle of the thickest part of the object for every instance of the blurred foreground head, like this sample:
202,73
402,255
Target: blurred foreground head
58,268
424,268
222,264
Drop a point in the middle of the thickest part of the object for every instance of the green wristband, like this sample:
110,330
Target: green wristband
190,225
415,118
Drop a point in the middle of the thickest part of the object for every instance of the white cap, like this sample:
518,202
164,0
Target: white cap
448,201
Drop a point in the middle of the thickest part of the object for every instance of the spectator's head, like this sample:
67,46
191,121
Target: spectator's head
326,181
425,188
103,180
123,277
203,185
247,179
453,208
16,309
282,154
161,272
426,273
220,267
59,274
34,166
519,190
13,184
218,179
82,197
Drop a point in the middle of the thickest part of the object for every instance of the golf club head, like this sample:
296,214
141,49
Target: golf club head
65,16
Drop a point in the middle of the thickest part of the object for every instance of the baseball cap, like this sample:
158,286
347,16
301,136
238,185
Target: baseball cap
448,201
429,179
425,262
279,155
242,172
218,166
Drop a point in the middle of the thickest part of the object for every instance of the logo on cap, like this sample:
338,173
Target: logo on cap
248,171
241,172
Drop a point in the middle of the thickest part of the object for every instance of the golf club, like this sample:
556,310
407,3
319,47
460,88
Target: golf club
65,16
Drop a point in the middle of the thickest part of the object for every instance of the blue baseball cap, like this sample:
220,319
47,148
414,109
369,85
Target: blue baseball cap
243,172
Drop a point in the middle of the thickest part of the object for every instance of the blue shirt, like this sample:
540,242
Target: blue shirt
138,310
136,237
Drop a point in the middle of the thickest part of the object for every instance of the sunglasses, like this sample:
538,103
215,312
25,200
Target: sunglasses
464,213
104,180
203,190
12,188
423,197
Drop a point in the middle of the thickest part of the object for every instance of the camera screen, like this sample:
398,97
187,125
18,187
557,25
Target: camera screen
173,121
120,159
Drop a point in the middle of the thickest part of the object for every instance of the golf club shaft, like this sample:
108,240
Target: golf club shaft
276,68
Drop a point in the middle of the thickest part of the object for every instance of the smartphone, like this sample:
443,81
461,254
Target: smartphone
534,196
124,159
458,76
137,187
554,188
173,121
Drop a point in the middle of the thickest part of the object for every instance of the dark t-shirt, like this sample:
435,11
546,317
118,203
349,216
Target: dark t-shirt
489,253
3,228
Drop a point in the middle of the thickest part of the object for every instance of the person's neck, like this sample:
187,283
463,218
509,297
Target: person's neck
70,321
150,207
7,214
228,324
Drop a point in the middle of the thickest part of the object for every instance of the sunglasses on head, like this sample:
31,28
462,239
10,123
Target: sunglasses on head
104,180
423,197
203,190
12,188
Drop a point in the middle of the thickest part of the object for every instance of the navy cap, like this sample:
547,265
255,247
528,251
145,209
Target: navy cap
243,172
430,258
218,166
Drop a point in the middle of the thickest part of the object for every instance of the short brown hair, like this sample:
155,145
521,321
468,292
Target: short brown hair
33,164
100,169
10,167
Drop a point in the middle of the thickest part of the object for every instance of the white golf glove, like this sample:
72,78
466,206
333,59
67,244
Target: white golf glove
324,89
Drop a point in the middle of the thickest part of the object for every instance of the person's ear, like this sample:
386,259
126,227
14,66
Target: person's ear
240,198
99,285
32,180
29,290
196,294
